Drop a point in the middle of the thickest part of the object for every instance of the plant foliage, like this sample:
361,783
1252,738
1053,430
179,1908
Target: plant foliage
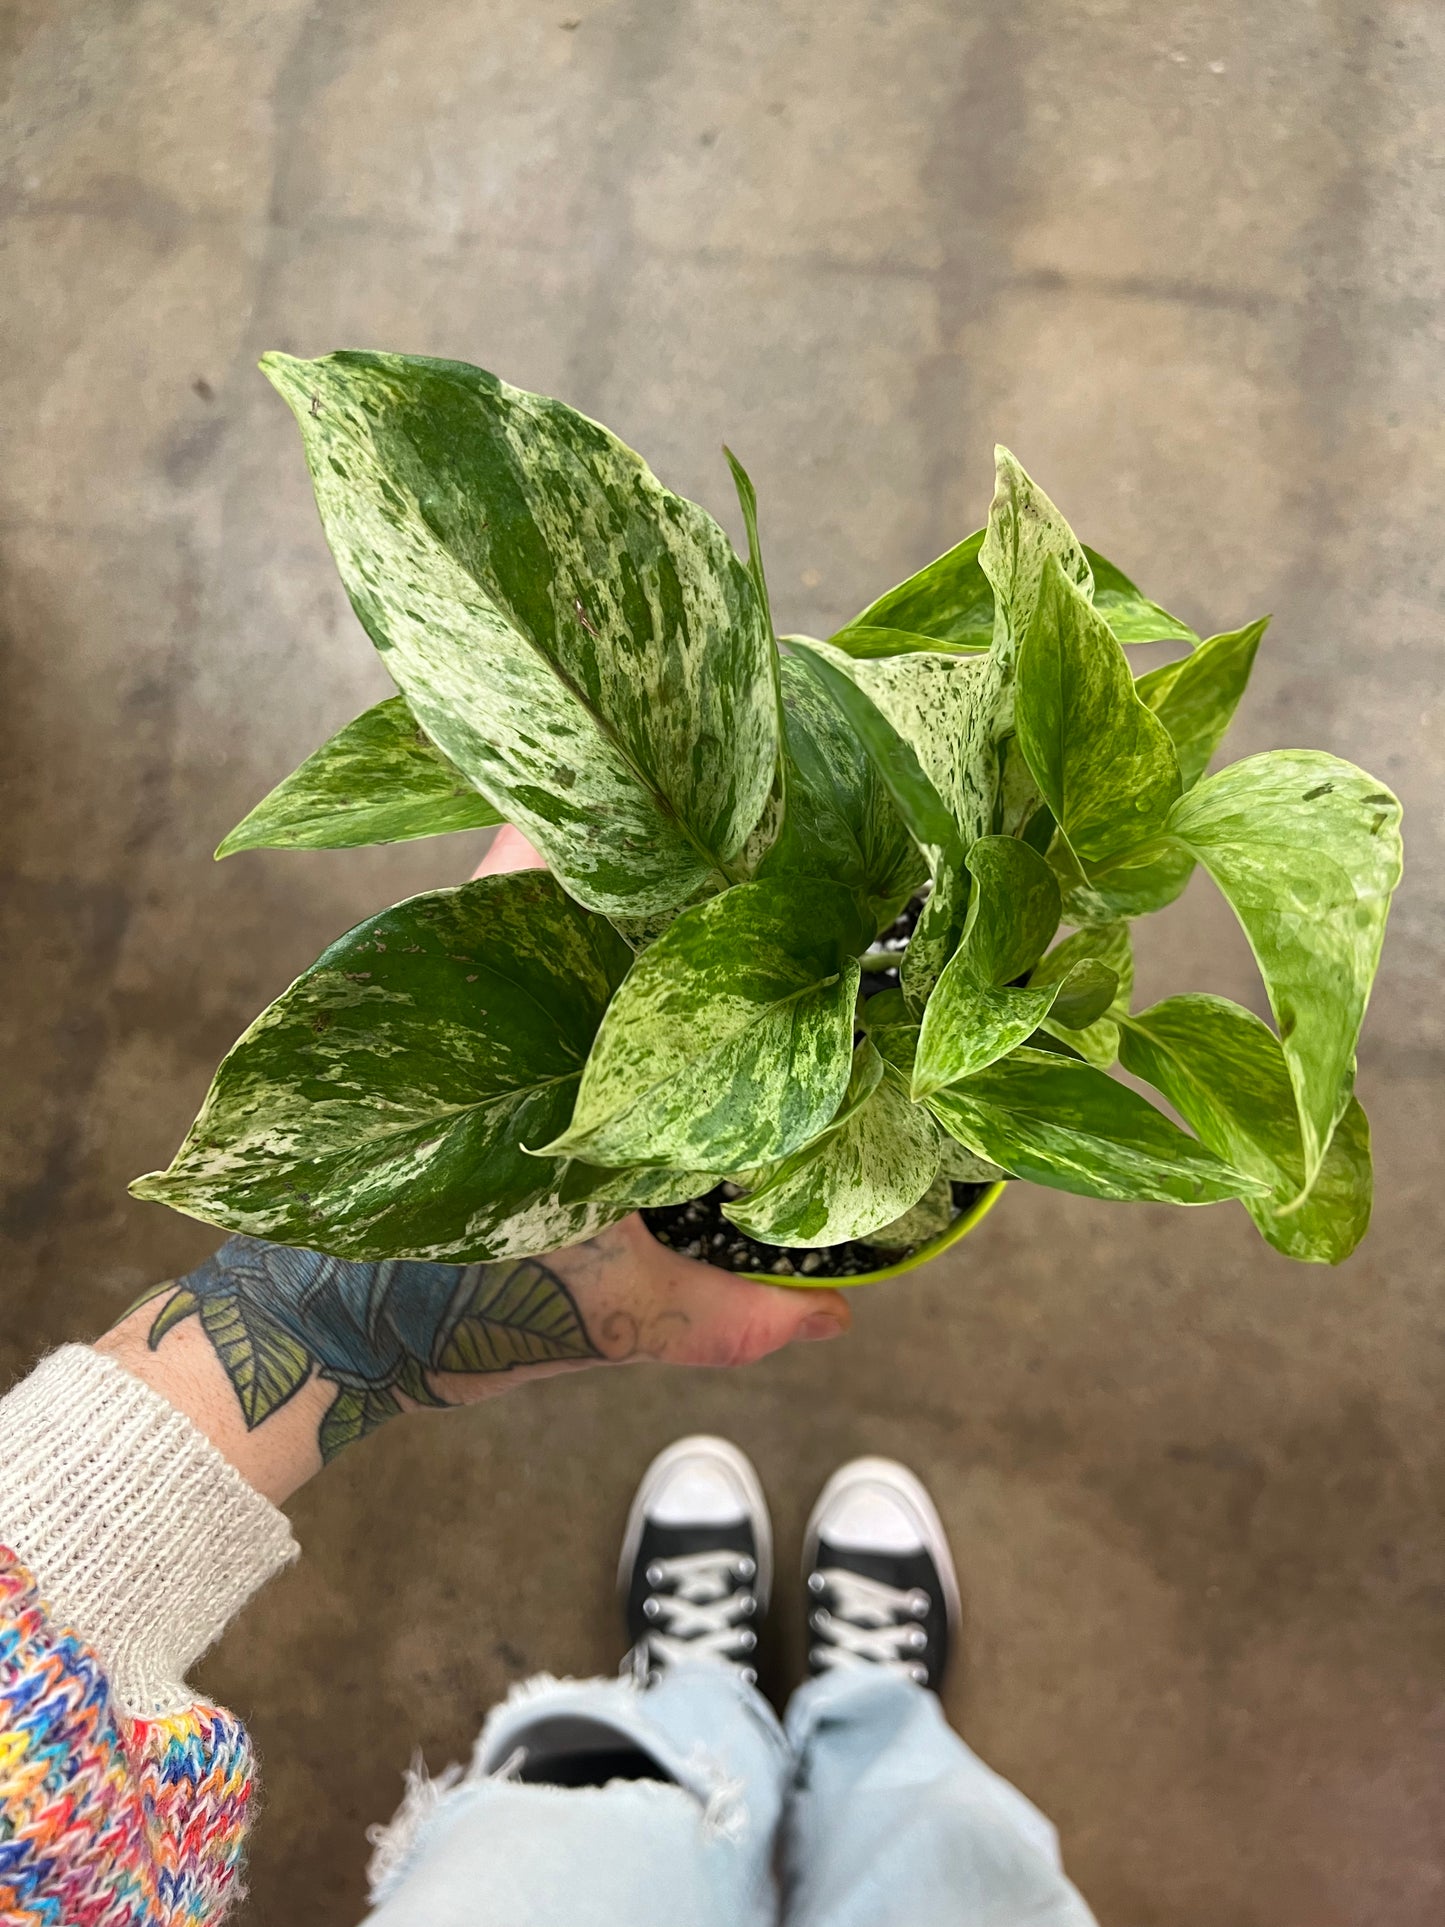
730,823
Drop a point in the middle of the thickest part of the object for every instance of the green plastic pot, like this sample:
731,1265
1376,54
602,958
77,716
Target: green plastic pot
960,1228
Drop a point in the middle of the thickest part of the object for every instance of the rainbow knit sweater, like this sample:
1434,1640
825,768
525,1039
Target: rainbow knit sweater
124,1800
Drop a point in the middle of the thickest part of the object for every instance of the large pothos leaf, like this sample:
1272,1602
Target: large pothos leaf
1024,532
1196,698
873,1163
581,642
380,1106
729,1043
1224,1072
1107,944
1102,758
1060,1122
764,832
1306,850
842,824
950,604
379,780
926,1220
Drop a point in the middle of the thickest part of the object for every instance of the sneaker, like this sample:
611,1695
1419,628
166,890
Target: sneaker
880,1581
697,1561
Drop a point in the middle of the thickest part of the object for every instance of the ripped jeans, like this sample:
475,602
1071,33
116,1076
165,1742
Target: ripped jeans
864,1810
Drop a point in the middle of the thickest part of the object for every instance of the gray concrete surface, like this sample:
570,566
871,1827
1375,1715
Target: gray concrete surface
1186,260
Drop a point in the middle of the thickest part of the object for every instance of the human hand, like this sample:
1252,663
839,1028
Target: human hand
284,1356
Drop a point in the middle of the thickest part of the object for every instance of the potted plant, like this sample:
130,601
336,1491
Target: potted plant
792,982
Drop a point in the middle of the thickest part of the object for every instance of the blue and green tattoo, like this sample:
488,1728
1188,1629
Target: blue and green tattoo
275,1317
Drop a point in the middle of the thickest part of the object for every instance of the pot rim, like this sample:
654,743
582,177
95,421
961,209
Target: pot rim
960,1228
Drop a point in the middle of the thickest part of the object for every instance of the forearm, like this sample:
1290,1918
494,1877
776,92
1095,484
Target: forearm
281,1357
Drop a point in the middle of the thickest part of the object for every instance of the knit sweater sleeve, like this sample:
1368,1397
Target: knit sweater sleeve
126,1543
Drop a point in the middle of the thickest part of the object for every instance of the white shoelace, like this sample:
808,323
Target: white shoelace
870,1624
700,1611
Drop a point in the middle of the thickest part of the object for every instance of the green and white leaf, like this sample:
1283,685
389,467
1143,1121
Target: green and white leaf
1128,611
379,780
379,1108
1102,758
1109,945
842,824
950,604
1196,698
928,1219
1063,1123
729,1043
1024,532
873,1163
1135,885
1306,850
960,1166
1012,913
1225,1073
581,642
971,1017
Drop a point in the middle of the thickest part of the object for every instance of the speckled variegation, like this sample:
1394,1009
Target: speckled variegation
583,643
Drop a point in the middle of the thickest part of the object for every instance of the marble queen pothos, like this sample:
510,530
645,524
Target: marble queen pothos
729,823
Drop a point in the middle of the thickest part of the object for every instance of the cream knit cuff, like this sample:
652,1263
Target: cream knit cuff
144,1540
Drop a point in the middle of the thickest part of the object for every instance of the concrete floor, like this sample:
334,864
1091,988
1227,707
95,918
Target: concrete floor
1186,260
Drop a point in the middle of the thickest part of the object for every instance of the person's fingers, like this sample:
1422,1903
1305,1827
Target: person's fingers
509,850
721,1320
641,1301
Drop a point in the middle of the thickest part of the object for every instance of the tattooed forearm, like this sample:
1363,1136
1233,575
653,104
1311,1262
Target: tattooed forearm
383,1334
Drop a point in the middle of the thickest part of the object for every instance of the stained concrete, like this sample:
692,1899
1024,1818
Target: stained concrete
1186,261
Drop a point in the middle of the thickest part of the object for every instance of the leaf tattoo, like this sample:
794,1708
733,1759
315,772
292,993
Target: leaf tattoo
275,1316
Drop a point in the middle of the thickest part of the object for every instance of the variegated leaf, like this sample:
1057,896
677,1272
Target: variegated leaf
581,642
929,1218
1306,850
1109,944
1225,1073
1128,611
1196,699
1024,532
379,780
1102,758
1060,1122
842,824
950,604
729,1043
972,1017
380,1107
874,1162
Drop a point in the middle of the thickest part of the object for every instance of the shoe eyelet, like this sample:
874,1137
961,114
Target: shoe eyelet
747,1604
918,1639
816,1582
746,1567
650,1607
748,1675
919,1604
749,1640
919,1675
654,1574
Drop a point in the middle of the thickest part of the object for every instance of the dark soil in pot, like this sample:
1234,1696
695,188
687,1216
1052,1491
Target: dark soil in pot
699,1230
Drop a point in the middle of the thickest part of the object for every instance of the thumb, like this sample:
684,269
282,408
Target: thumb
735,1321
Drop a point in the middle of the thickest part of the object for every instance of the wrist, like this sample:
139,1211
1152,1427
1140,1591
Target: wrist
185,1370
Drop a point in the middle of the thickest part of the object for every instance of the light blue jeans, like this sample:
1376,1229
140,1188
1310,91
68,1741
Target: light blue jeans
864,1810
